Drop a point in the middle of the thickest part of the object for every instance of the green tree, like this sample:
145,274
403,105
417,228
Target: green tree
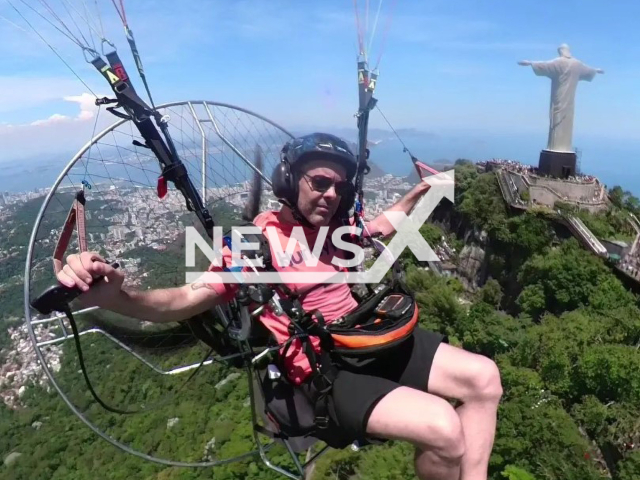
538,435
487,331
491,293
565,277
484,206
465,176
629,468
616,195
514,473
533,300
610,372
438,299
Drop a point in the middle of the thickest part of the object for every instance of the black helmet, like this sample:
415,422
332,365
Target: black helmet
320,145
309,147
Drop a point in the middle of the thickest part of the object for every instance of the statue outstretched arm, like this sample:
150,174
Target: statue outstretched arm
525,63
588,73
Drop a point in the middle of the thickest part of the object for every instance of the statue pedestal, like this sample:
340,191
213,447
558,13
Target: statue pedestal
557,164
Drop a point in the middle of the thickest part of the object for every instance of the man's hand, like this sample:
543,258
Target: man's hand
381,224
525,63
156,305
81,270
422,187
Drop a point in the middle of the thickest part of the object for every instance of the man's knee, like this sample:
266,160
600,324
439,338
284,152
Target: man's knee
446,436
484,381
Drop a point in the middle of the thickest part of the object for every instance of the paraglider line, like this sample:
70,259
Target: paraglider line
93,133
70,37
385,35
417,163
87,18
394,131
64,4
359,30
121,14
375,25
53,49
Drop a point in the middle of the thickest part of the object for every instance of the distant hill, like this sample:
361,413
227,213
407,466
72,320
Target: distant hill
404,133
376,171
440,165
375,134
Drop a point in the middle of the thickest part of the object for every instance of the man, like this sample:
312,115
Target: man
402,397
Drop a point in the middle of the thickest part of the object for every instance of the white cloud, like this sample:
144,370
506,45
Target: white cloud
54,134
55,118
23,92
87,105
85,101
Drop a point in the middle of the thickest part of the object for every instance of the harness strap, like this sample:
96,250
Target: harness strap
118,68
324,371
324,375
75,219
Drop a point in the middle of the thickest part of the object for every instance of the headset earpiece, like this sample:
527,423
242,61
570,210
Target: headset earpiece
346,204
284,184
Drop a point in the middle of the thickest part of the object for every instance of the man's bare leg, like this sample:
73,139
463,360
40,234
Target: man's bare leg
475,381
428,422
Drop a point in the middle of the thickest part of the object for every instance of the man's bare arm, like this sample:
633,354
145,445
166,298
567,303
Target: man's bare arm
168,304
405,204
159,305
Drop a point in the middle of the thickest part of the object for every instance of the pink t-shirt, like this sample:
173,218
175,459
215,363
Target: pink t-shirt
333,300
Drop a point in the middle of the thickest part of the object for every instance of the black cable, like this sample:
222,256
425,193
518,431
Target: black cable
76,338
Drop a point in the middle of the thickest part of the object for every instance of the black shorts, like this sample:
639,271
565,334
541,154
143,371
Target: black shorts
358,388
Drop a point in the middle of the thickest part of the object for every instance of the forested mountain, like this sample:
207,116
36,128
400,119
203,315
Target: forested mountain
560,323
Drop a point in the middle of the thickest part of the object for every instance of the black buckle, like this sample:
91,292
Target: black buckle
322,422
174,171
105,101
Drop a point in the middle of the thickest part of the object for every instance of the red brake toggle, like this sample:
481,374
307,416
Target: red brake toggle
162,187
420,167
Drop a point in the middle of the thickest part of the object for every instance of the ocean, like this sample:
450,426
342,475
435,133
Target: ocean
613,162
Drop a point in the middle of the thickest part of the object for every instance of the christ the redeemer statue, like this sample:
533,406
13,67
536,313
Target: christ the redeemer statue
565,72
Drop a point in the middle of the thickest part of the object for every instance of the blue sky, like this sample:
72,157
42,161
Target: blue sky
449,67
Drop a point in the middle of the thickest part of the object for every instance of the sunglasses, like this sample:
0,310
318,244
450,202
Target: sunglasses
318,183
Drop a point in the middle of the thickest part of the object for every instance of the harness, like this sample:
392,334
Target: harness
384,319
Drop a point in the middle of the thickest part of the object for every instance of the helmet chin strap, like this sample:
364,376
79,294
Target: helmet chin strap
297,215
300,218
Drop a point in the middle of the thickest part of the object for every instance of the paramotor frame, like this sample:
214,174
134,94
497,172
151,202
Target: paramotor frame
227,138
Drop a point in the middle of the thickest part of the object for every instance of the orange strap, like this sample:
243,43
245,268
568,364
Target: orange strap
368,341
75,219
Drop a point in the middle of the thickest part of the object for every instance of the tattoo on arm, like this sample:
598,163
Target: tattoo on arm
199,285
